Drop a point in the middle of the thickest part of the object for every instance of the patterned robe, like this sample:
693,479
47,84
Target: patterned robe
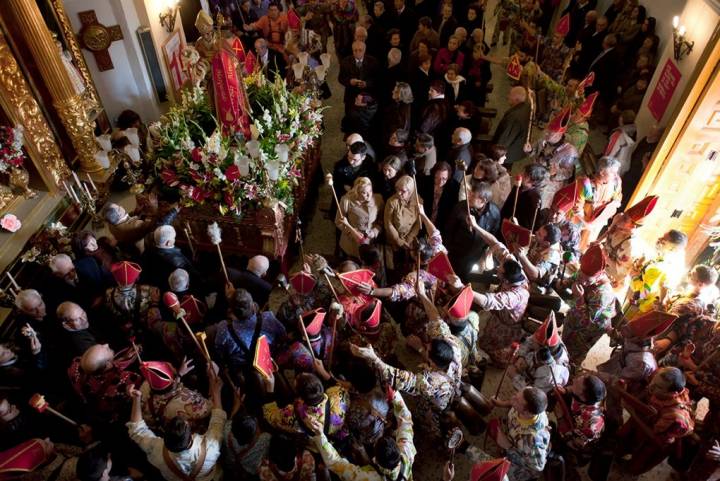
532,372
530,441
298,357
434,390
467,333
139,305
654,276
292,418
404,439
105,392
304,470
506,306
589,318
622,248
560,161
159,408
546,259
597,203
588,424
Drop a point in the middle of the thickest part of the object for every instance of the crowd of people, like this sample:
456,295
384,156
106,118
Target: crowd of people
133,358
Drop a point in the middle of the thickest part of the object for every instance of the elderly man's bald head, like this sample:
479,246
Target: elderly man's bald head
259,265
517,95
97,358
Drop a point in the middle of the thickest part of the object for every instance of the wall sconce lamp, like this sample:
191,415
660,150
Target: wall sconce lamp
169,15
681,46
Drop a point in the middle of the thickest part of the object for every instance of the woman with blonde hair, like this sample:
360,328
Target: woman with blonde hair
402,220
360,217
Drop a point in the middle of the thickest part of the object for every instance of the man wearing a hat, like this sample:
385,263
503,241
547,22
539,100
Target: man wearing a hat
555,154
506,305
131,306
593,308
634,362
542,359
622,244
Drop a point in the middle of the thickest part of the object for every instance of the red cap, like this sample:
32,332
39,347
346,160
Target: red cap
125,273
293,19
586,82
563,25
565,198
302,282
559,123
159,375
515,234
23,458
440,266
238,48
194,308
586,107
373,320
592,262
547,334
514,69
350,280
493,470
459,307
642,209
313,321
651,324
171,300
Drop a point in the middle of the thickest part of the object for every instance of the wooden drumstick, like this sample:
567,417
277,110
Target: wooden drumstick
305,335
329,182
202,337
38,402
518,184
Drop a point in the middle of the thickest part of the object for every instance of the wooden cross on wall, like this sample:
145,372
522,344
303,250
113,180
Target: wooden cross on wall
97,38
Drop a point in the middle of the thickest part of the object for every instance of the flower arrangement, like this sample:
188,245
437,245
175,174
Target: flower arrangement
193,155
11,153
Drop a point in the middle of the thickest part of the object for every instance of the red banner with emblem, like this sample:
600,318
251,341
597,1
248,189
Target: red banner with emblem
229,96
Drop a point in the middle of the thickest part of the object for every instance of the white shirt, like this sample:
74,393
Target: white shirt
153,446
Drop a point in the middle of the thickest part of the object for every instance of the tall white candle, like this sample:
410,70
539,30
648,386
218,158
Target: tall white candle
92,183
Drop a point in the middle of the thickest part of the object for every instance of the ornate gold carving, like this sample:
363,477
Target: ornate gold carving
80,129
92,99
22,108
96,38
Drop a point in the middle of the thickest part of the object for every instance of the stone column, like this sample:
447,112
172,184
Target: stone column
70,106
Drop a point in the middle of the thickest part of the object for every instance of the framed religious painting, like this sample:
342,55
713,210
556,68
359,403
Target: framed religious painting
172,54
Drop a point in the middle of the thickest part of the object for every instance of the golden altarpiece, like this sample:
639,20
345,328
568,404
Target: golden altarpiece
60,117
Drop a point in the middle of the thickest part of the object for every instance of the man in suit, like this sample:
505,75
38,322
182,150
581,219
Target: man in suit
577,10
513,127
406,20
251,279
358,73
419,80
605,67
271,62
590,47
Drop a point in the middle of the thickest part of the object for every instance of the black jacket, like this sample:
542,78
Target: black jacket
344,174
369,72
258,287
465,247
528,201
512,131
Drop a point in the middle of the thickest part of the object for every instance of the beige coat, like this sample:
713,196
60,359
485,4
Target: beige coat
402,222
365,217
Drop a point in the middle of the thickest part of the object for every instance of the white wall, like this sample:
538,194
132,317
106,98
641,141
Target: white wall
128,84
700,20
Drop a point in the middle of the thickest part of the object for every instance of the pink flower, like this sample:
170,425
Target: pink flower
295,172
10,223
283,138
232,173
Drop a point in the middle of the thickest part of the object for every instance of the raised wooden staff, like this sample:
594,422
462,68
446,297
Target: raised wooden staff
353,230
38,402
215,235
515,347
518,184
531,99
172,303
